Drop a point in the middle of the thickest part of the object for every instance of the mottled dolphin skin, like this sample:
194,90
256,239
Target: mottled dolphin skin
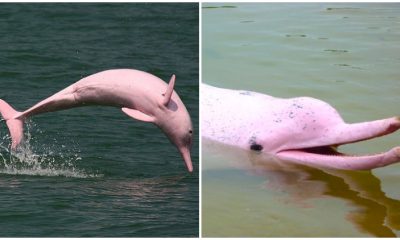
140,95
301,130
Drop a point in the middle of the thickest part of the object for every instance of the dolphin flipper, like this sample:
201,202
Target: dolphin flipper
138,115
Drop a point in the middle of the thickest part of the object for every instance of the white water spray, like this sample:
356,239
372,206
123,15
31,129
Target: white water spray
49,160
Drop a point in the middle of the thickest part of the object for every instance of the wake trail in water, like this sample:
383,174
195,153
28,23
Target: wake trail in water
47,160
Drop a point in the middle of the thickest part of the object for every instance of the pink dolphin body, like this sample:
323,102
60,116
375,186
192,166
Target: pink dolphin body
140,95
302,130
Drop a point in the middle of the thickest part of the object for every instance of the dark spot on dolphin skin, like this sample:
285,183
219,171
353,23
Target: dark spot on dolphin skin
252,140
247,93
256,147
297,105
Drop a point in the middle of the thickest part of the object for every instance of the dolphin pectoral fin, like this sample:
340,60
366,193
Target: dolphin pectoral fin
138,115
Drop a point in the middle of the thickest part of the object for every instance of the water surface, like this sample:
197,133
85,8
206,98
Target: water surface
344,54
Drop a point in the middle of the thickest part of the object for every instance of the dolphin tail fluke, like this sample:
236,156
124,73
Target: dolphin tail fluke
14,123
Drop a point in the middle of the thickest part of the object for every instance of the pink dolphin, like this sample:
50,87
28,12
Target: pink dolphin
140,95
302,130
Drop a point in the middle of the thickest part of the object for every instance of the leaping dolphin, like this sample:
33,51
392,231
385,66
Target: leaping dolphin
302,130
140,95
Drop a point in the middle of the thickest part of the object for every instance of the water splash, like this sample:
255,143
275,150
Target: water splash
48,160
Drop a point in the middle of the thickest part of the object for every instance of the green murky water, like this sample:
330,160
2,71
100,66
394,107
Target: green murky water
345,54
92,171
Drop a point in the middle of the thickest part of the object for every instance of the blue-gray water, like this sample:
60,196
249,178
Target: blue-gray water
93,171
346,54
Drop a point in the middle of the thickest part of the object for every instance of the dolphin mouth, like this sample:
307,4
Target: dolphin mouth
322,150
327,155
330,157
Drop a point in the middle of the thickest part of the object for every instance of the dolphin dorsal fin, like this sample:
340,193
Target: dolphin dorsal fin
138,115
169,91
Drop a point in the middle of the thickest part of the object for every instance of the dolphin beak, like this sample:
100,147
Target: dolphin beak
185,152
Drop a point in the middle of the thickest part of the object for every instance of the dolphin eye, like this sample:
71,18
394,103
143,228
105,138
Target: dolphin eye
190,131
